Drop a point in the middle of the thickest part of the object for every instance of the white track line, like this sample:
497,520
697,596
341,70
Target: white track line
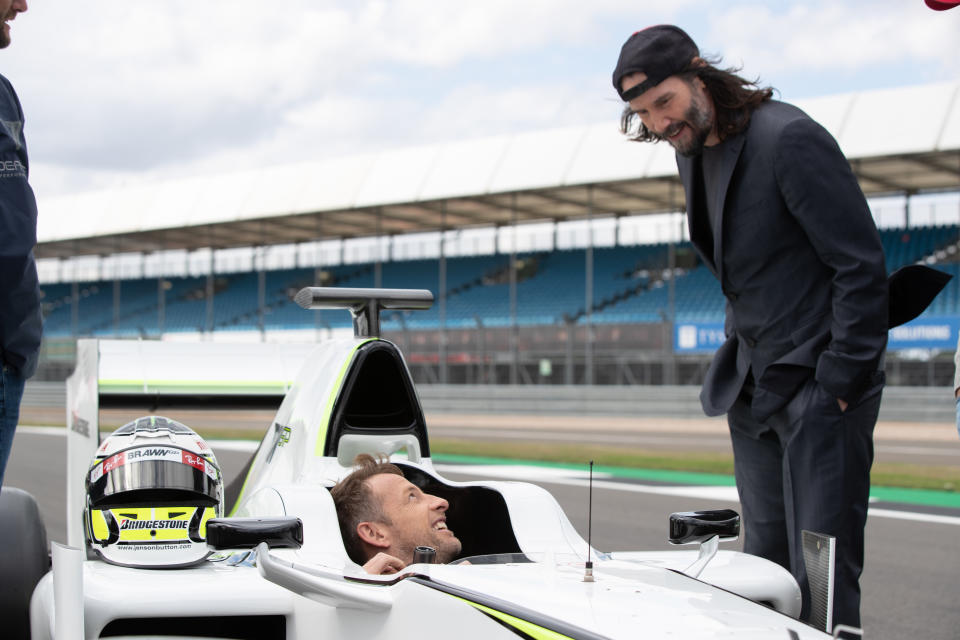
575,479
569,478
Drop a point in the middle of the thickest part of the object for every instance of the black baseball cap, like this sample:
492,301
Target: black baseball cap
659,51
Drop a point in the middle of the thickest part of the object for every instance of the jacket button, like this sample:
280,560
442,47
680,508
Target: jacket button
731,296
751,342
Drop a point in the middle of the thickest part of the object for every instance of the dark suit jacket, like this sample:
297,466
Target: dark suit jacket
800,262
20,321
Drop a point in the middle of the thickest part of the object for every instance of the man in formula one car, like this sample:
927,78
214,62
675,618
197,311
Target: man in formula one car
384,518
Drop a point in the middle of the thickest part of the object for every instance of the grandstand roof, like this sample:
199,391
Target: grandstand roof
893,145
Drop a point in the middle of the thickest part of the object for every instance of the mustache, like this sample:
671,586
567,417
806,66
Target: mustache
673,129
670,131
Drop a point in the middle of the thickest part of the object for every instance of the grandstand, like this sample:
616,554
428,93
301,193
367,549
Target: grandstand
631,286
560,312
628,288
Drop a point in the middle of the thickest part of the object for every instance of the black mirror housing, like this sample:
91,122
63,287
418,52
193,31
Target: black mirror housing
247,533
698,526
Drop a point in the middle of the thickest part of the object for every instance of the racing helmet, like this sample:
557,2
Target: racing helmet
151,488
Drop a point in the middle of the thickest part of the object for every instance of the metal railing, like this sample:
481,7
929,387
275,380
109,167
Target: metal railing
900,404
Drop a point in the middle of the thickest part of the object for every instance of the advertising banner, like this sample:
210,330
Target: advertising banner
923,333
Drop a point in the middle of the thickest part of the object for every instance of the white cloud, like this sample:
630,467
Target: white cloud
123,91
829,36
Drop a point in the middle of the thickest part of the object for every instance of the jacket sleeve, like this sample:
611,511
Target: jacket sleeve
20,317
956,369
821,192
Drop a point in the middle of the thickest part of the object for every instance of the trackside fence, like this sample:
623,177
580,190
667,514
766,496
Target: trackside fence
900,404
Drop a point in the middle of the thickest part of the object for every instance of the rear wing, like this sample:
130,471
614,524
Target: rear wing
144,375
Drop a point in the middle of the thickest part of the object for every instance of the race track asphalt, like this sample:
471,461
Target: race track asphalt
922,443
913,552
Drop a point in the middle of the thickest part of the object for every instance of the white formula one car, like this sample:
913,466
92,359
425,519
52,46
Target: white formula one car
278,568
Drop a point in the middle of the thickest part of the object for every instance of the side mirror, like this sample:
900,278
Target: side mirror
706,527
247,533
699,526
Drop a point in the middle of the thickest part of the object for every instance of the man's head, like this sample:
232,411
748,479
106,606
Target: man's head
678,110
381,511
653,76
651,56
677,95
8,11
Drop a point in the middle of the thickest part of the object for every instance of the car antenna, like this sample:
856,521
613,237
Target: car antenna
588,567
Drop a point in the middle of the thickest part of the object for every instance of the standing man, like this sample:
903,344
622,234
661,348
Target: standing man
776,214
20,321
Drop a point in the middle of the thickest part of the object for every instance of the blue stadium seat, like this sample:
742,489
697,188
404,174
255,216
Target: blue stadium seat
630,285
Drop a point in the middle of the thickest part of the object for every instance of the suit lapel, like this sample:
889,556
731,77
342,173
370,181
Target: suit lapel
691,175
731,154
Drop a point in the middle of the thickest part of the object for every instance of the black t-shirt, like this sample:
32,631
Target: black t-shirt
712,158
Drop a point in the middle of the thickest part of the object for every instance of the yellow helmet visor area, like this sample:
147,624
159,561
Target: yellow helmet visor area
167,536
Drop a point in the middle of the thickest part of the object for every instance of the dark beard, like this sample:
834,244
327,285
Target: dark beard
700,122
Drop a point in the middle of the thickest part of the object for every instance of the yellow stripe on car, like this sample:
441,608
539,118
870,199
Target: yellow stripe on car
534,631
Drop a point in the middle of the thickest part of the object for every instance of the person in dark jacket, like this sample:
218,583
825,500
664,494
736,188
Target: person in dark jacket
20,321
776,214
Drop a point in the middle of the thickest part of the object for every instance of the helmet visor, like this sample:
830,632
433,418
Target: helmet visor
153,475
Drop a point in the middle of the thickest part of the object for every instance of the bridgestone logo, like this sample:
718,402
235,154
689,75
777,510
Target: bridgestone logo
153,524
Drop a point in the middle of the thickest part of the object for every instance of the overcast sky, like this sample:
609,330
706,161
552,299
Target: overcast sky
120,91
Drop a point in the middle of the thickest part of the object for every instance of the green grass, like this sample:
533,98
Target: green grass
907,476
899,475
582,454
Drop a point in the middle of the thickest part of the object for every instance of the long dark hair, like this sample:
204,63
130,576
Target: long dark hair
734,99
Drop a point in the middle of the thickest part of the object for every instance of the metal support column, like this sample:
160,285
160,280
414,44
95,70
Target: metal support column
74,306
482,374
261,253
442,294
377,261
208,324
670,317
906,209
588,295
161,303
317,275
116,305
514,332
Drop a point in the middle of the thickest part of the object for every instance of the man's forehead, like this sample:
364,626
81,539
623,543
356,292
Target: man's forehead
652,95
388,484
631,80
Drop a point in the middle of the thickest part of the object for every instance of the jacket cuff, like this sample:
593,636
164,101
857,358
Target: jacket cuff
843,376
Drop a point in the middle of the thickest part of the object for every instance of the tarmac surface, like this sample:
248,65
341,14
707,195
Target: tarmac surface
912,552
926,443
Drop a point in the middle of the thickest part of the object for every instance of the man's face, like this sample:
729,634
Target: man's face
8,11
676,110
416,518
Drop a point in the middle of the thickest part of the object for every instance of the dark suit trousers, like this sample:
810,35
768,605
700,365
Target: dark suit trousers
807,467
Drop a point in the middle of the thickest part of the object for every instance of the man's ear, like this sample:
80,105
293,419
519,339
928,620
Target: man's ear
374,534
